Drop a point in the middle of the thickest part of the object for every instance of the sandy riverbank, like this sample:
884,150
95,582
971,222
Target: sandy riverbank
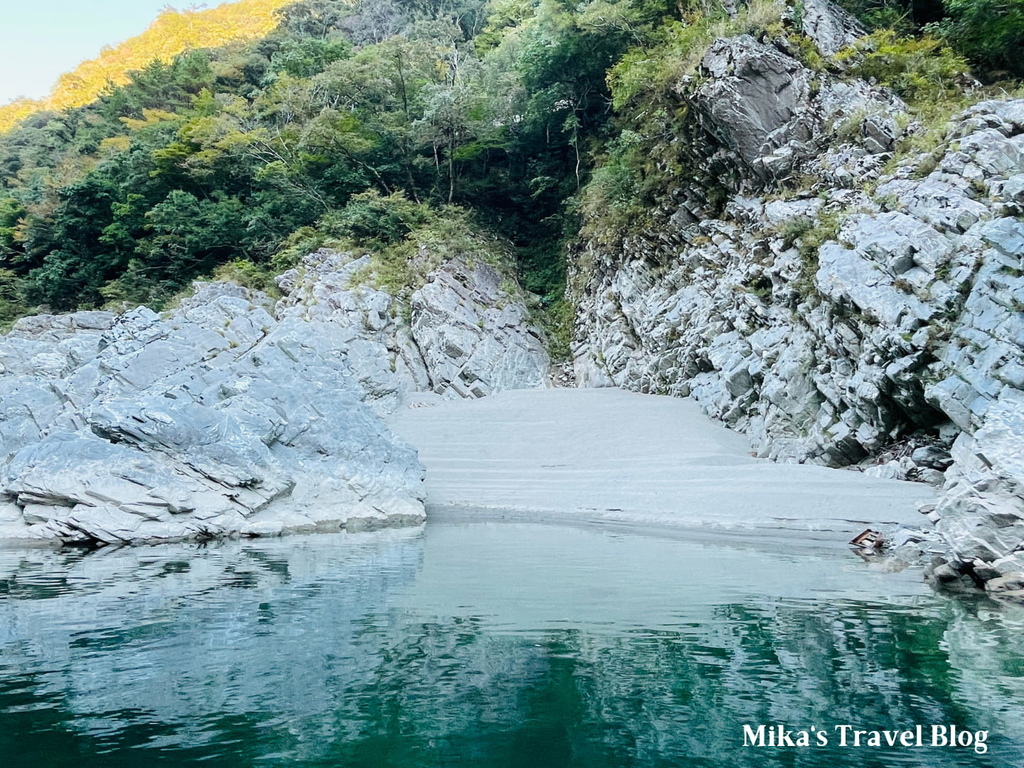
609,456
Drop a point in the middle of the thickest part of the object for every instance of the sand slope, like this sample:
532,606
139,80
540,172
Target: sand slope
606,455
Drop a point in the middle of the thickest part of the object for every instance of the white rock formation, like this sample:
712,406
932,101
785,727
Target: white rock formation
464,333
864,311
218,420
222,419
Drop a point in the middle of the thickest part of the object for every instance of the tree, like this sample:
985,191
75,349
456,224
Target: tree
989,32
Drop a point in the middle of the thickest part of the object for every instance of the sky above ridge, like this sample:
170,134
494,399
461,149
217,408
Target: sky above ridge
42,39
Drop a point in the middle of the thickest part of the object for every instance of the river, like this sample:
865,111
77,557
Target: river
492,644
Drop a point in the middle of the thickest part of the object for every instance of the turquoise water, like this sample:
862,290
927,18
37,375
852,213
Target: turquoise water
490,645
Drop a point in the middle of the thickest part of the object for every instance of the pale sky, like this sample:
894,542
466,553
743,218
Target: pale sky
42,39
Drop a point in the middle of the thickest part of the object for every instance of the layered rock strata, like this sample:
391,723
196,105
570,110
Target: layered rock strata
874,308
232,417
217,420
464,333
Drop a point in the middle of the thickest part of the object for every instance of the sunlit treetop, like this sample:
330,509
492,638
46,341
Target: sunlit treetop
169,35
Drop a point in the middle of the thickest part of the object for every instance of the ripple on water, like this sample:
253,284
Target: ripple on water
489,645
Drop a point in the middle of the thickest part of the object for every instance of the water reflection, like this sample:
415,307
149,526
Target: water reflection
487,645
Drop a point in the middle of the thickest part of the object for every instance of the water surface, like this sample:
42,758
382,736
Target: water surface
489,644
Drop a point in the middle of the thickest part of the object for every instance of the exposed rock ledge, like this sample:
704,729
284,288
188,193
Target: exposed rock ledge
224,419
466,334
882,307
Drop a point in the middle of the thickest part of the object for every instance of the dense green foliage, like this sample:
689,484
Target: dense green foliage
247,151
920,69
988,33
374,124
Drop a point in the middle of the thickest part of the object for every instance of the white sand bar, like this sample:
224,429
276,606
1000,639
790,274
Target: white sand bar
609,456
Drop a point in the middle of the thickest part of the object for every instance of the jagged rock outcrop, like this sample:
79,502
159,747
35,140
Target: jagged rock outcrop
464,333
218,420
474,333
729,308
979,520
879,310
225,419
830,27
761,118
757,103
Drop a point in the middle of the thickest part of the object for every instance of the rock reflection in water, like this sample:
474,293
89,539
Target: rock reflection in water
489,645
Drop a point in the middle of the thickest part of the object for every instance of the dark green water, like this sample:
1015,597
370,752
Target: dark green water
492,645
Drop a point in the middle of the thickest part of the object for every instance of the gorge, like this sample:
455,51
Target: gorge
815,266
449,382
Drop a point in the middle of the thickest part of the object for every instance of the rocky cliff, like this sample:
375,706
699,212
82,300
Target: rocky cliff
464,332
230,416
834,296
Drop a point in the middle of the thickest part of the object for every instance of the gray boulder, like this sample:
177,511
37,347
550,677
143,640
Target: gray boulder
756,102
766,117
218,420
829,26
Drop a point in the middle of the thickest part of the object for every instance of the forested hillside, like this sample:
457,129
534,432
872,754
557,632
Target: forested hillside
390,122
